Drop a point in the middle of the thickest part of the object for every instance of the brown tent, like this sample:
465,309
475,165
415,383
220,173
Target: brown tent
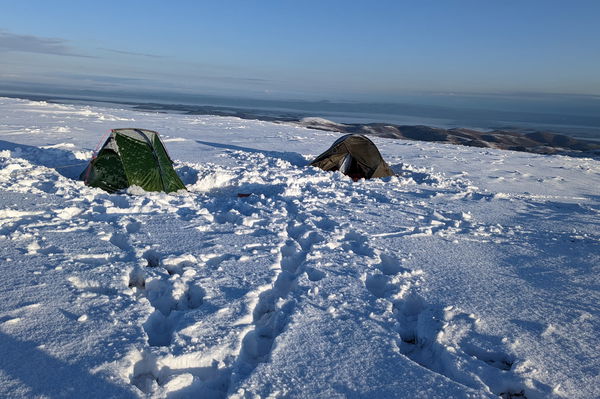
354,155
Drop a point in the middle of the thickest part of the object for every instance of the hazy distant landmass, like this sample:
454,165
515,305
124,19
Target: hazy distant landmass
575,135
539,142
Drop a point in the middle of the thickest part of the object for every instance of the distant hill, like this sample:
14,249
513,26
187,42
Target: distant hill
535,142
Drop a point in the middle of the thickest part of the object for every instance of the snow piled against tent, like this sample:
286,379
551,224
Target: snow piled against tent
471,274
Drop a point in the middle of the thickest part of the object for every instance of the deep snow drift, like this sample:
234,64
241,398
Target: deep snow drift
472,274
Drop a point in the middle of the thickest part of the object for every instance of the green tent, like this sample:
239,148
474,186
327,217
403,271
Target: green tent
354,155
132,157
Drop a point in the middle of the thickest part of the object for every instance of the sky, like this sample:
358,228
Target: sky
318,50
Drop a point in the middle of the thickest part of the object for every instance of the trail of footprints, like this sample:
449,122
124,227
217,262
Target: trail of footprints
441,339
169,289
272,310
167,285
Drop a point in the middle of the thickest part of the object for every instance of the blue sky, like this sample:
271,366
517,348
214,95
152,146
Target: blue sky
338,50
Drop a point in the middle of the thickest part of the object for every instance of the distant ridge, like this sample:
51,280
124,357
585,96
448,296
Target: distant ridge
526,140
536,142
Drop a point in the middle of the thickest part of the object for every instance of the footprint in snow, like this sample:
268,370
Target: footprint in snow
442,339
357,243
133,227
170,299
446,342
391,265
315,274
120,241
152,257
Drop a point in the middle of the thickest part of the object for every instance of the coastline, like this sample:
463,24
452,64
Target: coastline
509,138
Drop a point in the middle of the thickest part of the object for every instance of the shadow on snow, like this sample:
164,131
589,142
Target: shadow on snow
292,157
45,375
63,161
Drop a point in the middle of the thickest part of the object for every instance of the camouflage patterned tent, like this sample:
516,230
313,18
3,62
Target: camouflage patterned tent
354,155
132,157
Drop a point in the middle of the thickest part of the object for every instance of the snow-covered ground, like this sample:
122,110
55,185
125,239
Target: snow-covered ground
473,274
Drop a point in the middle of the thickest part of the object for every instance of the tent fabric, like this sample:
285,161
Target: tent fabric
355,156
132,157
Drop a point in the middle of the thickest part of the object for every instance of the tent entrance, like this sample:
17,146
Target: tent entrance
355,156
351,168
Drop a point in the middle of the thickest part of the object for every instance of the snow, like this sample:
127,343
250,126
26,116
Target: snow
471,274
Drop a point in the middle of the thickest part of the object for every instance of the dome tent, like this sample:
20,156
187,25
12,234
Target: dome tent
132,157
354,155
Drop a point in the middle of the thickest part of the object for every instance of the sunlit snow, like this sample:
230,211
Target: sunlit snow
474,273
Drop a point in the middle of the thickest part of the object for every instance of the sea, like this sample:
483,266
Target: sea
572,115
